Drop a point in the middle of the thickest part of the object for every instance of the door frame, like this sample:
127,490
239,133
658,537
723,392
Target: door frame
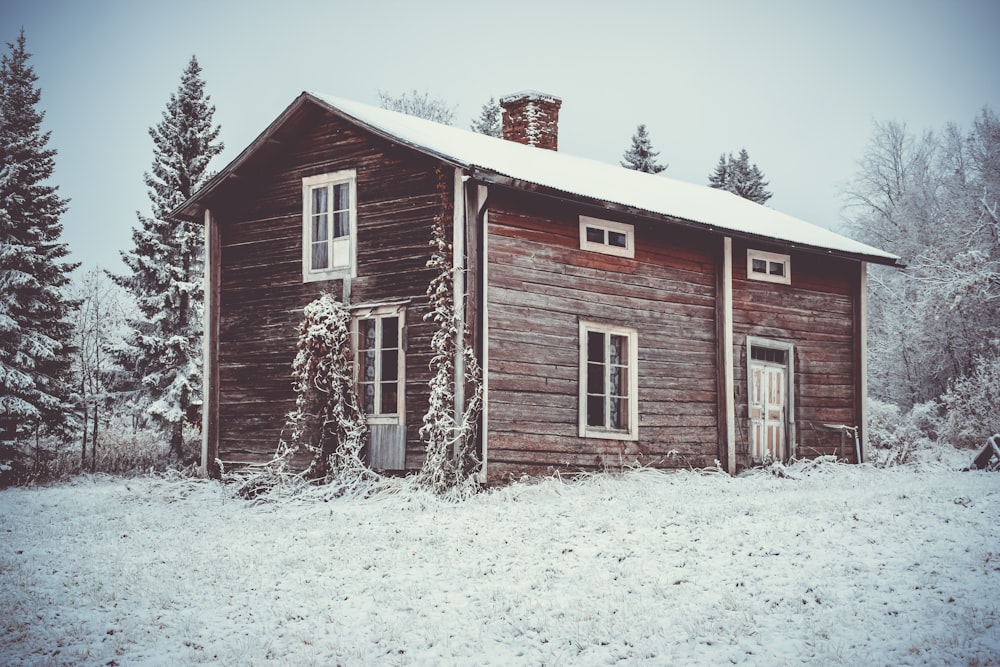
789,350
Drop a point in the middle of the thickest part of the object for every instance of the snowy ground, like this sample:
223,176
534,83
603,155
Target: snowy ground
833,565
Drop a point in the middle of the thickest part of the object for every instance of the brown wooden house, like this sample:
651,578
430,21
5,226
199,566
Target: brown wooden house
619,317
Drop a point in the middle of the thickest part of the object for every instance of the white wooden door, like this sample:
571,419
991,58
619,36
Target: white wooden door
768,409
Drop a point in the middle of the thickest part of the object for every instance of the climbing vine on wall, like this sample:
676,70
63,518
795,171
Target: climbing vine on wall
328,420
451,462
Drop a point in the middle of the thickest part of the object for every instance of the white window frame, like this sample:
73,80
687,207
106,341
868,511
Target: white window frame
770,258
586,430
378,314
343,246
607,226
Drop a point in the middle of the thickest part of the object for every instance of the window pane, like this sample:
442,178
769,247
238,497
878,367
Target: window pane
367,330
390,332
389,403
777,268
619,349
368,397
390,365
595,411
320,202
619,381
368,365
320,255
759,266
617,239
341,197
619,413
595,235
595,346
595,378
319,228
341,224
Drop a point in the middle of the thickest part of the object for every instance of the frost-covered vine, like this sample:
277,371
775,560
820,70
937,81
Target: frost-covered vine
451,462
328,420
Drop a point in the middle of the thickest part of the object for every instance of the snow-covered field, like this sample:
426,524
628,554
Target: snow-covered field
832,564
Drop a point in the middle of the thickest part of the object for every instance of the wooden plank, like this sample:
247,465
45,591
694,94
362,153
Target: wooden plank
387,446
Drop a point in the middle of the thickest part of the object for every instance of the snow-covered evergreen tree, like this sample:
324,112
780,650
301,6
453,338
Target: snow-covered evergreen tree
35,331
490,120
166,263
640,156
740,177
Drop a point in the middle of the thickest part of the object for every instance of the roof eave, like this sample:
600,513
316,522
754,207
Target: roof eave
193,208
493,178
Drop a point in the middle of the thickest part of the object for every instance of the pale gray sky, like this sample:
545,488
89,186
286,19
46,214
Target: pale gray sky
797,83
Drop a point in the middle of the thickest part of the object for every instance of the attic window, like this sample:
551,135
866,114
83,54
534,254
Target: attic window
610,238
329,219
769,266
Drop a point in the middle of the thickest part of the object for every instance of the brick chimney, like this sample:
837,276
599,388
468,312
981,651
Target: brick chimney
531,118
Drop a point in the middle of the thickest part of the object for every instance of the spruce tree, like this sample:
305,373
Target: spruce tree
489,121
641,156
167,261
35,331
740,177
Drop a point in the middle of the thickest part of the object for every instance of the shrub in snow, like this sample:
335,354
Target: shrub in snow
895,435
451,462
123,450
972,404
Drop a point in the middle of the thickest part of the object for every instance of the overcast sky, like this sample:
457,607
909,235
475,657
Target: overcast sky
798,84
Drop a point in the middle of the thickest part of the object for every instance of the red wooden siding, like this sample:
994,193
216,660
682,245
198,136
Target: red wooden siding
540,285
261,288
816,314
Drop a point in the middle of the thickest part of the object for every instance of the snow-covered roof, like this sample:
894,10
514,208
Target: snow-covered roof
716,209
499,161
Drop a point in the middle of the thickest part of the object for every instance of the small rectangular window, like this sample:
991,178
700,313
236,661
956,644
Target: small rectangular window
608,382
768,354
329,220
768,266
607,236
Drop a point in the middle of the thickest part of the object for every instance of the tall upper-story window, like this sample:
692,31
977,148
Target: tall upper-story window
329,221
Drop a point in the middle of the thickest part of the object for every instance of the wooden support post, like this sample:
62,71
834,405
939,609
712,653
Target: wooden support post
861,362
724,336
458,292
210,349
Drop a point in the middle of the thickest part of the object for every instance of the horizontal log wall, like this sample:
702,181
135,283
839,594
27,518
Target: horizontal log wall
262,294
815,313
540,285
